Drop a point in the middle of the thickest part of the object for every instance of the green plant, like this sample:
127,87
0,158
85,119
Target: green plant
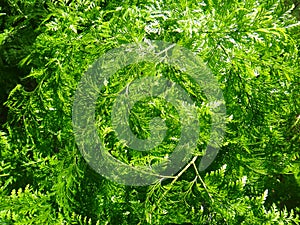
250,47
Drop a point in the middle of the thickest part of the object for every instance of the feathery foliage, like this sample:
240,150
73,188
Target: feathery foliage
251,48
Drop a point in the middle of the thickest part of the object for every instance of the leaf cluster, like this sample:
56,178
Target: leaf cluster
251,48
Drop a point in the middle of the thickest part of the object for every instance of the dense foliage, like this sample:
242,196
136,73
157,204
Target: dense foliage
251,48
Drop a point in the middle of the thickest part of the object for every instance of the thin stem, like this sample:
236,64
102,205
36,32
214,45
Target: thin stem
202,182
174,180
